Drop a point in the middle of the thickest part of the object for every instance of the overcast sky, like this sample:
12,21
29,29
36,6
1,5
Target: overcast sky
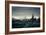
25,11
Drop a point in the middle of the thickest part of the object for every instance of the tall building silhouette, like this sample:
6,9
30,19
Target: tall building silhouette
32,16
32,19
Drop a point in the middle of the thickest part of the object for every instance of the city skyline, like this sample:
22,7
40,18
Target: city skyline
21,12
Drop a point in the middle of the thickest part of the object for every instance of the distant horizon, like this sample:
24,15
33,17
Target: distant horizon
26,17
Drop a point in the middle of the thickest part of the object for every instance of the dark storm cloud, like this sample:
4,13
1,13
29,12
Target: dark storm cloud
25,11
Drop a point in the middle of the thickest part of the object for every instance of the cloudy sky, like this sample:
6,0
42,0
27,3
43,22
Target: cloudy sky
21,12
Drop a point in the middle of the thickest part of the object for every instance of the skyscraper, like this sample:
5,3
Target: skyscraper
32,16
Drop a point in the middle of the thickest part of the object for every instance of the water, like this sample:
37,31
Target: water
25,23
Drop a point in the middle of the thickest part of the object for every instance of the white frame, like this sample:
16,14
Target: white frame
25,29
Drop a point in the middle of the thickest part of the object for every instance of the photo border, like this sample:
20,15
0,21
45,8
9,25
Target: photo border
7,16
24,29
